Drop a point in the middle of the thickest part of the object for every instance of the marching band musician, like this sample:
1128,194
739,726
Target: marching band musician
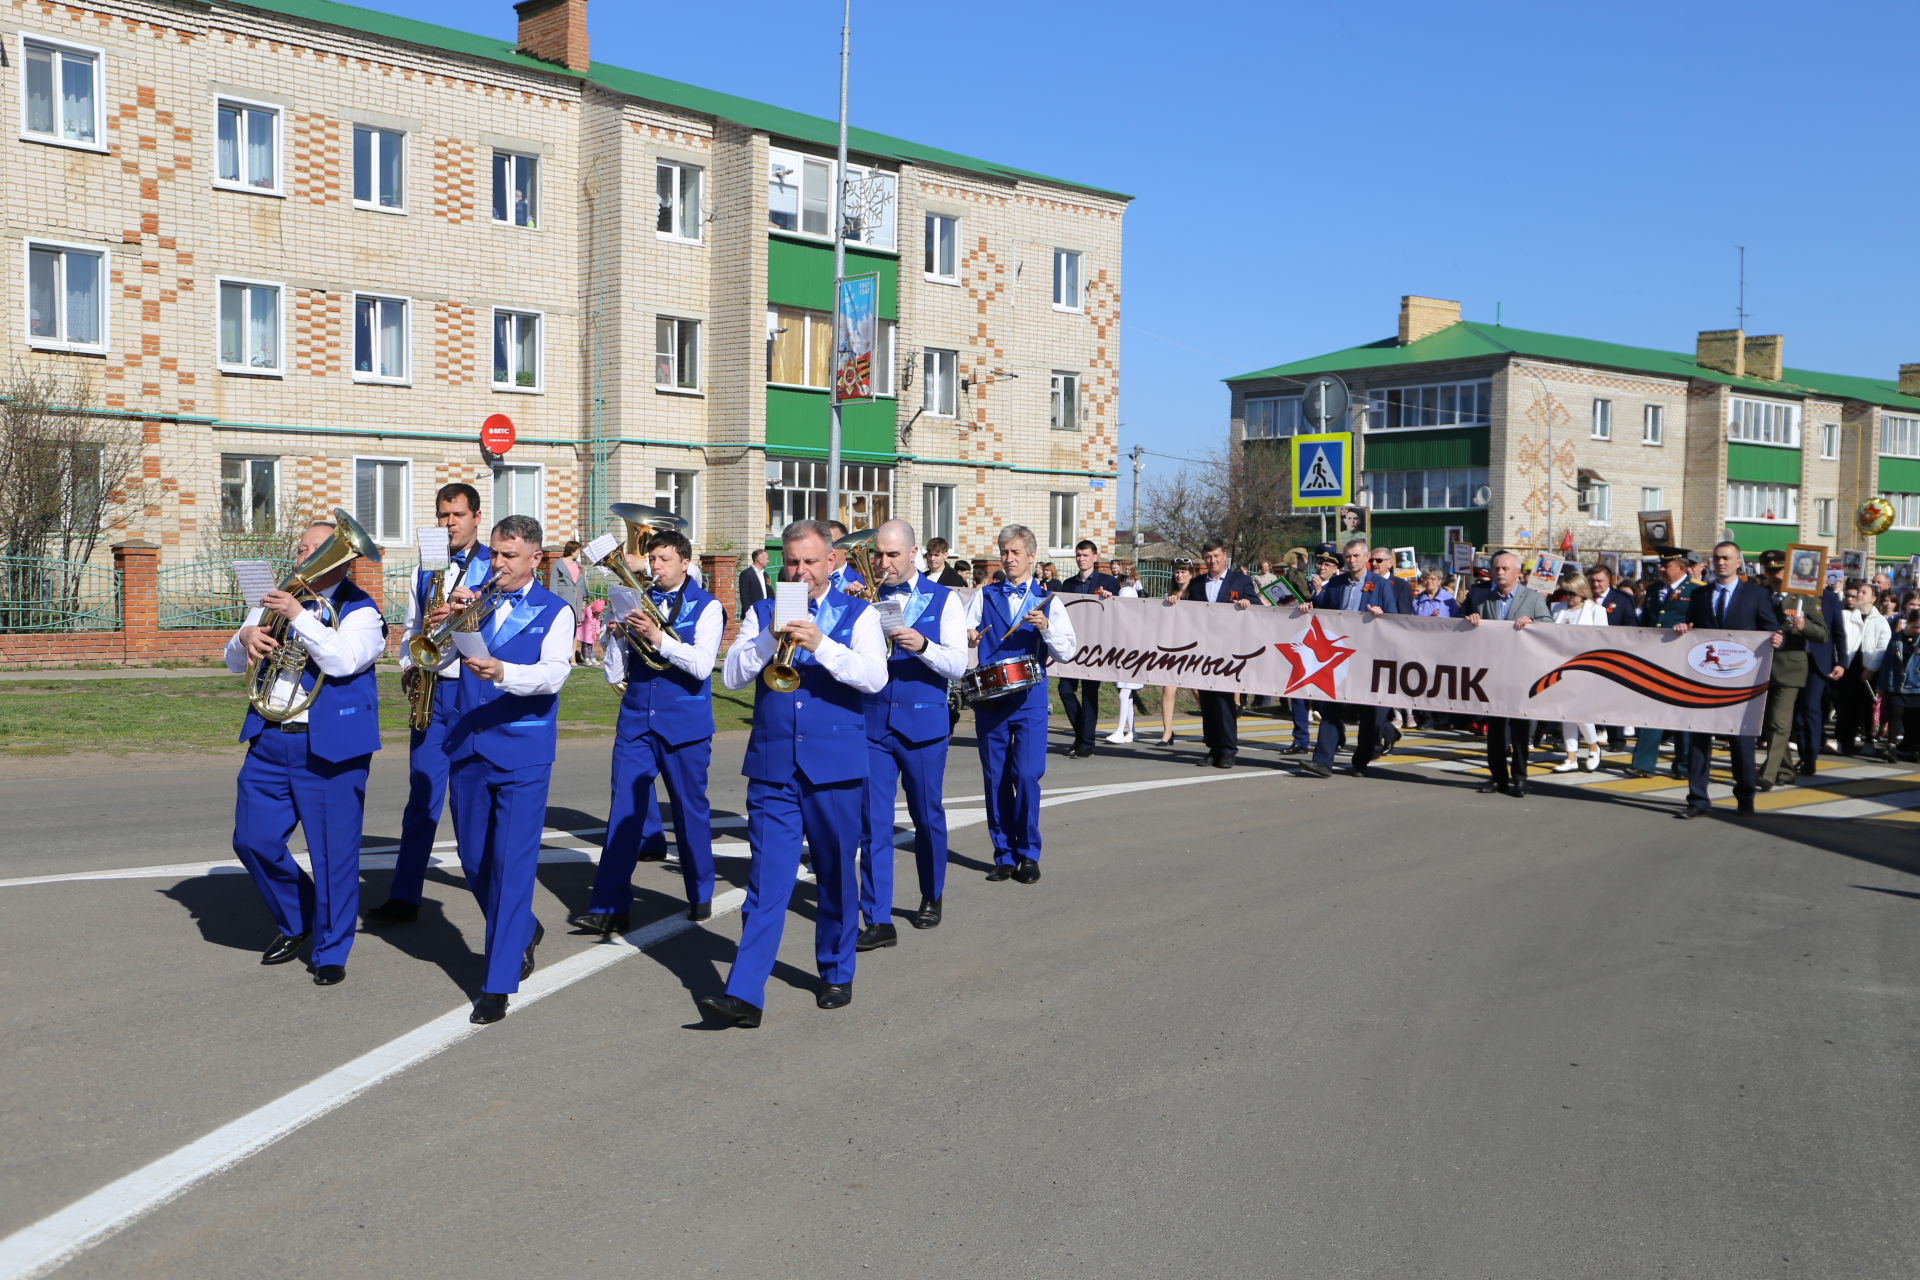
806,769
457,510
665,730
311,768
501,742
1012,619
907,735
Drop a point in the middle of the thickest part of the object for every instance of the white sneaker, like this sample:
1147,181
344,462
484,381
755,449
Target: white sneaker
1119,737
1592,763
1566,766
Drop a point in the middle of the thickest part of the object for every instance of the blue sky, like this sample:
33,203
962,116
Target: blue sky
1587,170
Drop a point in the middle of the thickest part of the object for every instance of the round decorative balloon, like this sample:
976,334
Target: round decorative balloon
1874,517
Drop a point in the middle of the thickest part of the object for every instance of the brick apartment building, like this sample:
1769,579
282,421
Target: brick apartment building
1516,437
308,248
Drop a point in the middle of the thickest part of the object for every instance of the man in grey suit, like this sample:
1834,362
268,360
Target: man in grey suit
1507,740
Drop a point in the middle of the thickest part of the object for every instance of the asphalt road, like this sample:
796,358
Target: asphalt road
1249,1023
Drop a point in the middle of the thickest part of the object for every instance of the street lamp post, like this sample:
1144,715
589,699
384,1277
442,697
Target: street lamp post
839,264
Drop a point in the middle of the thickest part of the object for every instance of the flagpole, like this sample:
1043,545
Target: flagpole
839,268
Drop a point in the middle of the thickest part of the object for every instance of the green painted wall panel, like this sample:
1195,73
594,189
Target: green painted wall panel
1454,447
1763,464
1900,475
798,423
1426,532
1896,544
801,275
1755,538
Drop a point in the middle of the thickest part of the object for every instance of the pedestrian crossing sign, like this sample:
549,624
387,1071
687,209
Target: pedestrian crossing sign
1323,469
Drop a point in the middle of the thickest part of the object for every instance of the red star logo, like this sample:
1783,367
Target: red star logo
1315,658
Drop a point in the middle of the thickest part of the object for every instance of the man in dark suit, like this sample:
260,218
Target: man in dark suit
1380,561
1621,612
754,585
1730,604
1355,590
1080,699
1217,584
1507,600
1824,660
1666,606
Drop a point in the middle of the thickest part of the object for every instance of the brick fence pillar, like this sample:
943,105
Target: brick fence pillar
370,577
138,563
721,574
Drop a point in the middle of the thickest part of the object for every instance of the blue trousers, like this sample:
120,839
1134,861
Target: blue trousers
426,792
1700,763
498,815
633,817
923,768
280,784
1302,726
779,814
1012,736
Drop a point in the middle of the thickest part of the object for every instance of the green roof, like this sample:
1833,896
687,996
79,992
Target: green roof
1469,339
755,115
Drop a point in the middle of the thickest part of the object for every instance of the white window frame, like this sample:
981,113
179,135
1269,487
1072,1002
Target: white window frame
56,138
1653,497
539,471
1891,446
930,258
1271,417
1602,422
26,296
1387,490
1378,409
1823,509
810,480
405,534
279,114
884,374
1830,441
1599,497
279,369
1076,296
1063,400
379,132
405,376
1906,510
1653,424
662,497
246,504
931,526
932,402
864,486
512,385
891,223
674,386
807,316
534,197
1746,433
1760,493
1062,533
795,164
677,206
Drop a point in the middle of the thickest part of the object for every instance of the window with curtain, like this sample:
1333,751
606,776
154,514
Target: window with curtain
65,304
943,238
1899,437
249,327
939,382
678,189
1444,404
1273,417
380,498
1763,422
676,354
1653,498
1065,393
936,512
1823,517
516,492
872,198
1775,502
379,167
1433,489
249,493
516,189
62,92
247,149
1599,500
379,339
799,346
516,350
1063,521
866,495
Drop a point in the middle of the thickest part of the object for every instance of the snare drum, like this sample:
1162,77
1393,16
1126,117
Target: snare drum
1000,680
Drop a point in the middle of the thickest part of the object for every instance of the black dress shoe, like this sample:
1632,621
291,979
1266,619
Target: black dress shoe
729,1009
329,975
875,936
1293,749
1518,790
1691,811
604,923
1000,872
490,1007
1362,769
698,911
1026,871
1317,769
395,911
1080,753
835,995
526,961
1224,760
928,916
651,856
283,949
1639,773
1744,807
1206,759
1488,787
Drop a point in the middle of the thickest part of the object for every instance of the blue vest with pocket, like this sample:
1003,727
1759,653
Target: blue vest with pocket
675,706
344,720
914,702
511,730
817,732
996,620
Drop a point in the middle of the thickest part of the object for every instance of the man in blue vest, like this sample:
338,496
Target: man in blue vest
907,734
501,744
665,731
311,768
457,510
1012,619
806,771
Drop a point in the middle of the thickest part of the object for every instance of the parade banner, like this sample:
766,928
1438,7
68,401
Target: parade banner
1703,681
856,323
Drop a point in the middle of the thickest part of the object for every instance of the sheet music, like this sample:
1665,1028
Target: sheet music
892,616
599,549
789,603
435,550
471,644
255,578
621,601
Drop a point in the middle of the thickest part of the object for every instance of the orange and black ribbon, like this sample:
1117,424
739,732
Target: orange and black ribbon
1650,680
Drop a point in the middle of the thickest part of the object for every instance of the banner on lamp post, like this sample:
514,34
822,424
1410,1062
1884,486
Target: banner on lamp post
856,331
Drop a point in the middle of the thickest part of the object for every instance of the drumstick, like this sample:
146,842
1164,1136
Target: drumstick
1021,621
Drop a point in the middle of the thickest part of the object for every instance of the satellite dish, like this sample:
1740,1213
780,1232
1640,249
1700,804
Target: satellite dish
1483,495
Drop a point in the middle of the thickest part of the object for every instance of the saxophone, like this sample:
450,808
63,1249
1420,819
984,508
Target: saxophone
425,679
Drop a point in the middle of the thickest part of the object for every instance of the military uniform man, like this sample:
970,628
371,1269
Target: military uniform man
1666,606
1790,670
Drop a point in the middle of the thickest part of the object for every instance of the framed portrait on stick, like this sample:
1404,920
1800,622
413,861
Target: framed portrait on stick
1805,569
1656,531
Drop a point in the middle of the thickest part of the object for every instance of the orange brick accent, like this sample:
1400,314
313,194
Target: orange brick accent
319,332
315,167
456,343
456,186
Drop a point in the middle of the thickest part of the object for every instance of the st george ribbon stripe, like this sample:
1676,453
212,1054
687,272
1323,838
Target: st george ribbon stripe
1644,677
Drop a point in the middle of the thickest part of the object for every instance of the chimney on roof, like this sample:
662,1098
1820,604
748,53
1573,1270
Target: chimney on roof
554,31
1722,350
1423,317
1763,357
1910,379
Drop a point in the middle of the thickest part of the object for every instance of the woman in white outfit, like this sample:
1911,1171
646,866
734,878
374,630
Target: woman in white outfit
1578,611
1129,590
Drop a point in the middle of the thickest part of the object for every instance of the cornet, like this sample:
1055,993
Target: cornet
288,661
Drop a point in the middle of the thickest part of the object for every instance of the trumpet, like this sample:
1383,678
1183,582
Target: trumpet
288,661
429,649
781,675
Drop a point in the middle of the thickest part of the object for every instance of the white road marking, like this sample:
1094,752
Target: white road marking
60,1237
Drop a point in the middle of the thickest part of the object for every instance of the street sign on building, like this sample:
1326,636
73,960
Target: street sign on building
1323,469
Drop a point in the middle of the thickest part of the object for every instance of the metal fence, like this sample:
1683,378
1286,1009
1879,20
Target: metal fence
203,595
396,581
39,595
1156,578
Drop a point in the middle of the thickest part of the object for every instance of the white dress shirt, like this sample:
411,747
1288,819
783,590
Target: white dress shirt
1584,614
338,652
862,664
452,576
947,659
1212,588
1059,633
556,655
696,658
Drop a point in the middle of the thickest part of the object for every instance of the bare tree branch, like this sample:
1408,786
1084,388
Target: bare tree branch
1239,496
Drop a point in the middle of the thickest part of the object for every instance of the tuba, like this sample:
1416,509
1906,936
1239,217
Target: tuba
288,661
640,521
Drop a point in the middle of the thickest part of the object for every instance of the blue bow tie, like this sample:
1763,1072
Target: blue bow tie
660,597
511,599
904,588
